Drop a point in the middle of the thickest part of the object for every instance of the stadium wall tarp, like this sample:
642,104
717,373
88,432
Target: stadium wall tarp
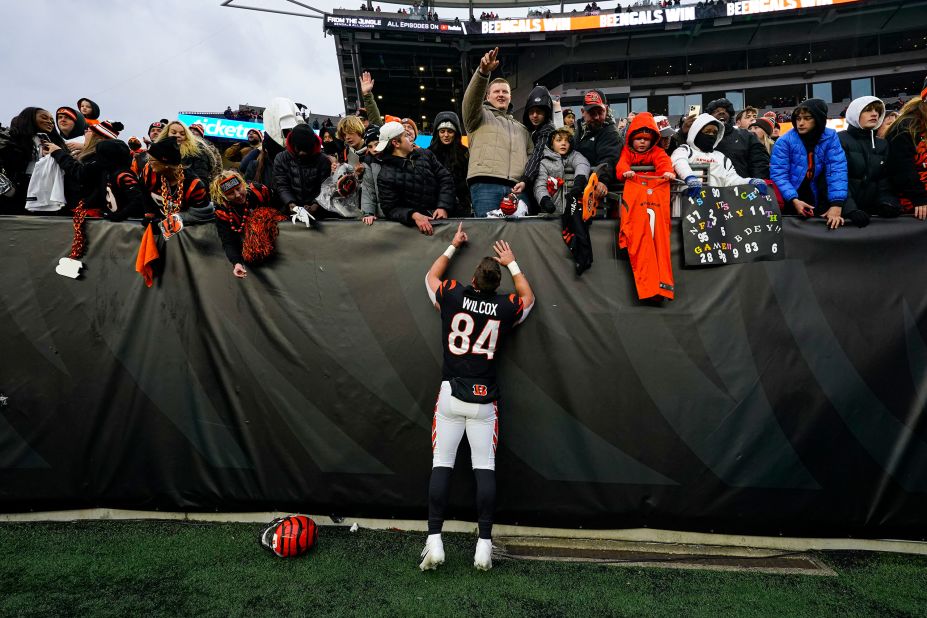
772,397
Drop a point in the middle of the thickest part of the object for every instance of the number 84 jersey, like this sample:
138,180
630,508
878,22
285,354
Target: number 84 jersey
474,325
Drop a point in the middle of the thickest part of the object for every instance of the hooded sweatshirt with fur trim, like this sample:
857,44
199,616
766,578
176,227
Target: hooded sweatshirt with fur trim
653,156
721,172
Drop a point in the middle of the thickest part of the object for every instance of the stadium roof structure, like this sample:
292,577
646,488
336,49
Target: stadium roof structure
300,9
282,4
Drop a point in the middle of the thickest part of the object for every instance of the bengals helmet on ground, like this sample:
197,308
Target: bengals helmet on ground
291,536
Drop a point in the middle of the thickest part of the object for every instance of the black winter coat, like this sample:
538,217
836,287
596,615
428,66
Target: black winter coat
14,158
18,148
749,156
83,180
602,148
108,167
299,181
259,168
907,162
455,157
200,165
417,183
867,171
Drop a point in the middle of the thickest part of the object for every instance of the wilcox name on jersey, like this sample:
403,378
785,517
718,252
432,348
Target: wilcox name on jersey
474,326
480,307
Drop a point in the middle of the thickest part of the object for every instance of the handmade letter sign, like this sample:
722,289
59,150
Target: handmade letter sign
69,268
731,225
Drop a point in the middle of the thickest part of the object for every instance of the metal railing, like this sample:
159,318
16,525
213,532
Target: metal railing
677,191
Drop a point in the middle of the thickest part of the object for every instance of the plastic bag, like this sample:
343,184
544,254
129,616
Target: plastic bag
46,187
334,197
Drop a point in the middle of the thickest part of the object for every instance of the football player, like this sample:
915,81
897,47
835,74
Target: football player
475,322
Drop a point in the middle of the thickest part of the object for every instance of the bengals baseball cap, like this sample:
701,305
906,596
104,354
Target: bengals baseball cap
595,98
390,130
663,125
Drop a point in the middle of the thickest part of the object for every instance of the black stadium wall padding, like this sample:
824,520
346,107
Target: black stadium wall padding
771,397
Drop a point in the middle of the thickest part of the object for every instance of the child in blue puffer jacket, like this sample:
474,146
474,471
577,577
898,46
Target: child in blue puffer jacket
809,167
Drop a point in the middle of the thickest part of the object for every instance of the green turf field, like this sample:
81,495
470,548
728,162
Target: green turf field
188,569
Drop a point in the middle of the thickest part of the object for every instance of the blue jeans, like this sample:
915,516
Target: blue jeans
486,196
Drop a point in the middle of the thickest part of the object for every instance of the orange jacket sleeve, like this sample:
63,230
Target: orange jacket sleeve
662,162
624,165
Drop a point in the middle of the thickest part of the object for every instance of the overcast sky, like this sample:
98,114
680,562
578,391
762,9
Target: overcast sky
149,59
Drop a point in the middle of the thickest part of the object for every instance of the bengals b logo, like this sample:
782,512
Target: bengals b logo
480,390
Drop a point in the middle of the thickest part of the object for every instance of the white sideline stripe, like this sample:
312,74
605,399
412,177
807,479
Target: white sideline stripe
646,535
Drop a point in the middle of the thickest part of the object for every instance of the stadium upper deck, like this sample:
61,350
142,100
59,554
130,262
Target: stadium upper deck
654,59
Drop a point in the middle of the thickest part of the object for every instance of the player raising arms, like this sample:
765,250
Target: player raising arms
474,323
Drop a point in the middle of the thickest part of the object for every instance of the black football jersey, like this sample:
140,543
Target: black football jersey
473,328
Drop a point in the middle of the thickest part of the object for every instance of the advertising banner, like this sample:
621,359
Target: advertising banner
222,128
650,17
393,23
588,22
756,7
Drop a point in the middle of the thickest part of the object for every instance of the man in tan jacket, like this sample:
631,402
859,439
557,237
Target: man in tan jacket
499,144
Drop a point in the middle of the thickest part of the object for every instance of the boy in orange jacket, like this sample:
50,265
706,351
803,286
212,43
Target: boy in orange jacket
641,148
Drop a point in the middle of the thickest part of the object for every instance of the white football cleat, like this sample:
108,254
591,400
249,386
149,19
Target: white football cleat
482,559
433,554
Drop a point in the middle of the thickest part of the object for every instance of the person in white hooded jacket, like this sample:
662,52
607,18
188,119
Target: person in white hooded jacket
867,157
700,148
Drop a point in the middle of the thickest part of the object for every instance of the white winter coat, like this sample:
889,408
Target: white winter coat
721,172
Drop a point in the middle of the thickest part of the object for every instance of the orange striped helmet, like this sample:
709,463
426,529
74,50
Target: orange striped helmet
291,536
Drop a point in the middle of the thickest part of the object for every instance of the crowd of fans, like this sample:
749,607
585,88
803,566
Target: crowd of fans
248,114
703,9
368,166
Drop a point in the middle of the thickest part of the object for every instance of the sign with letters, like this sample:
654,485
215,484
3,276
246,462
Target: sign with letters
731,225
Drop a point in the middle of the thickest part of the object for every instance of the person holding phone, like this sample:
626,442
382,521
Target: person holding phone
20,150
